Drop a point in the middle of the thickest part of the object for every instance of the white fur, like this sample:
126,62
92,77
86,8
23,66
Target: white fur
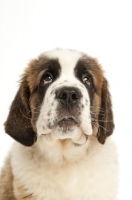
52,172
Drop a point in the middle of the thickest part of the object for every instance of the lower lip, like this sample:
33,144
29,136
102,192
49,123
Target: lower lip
67,122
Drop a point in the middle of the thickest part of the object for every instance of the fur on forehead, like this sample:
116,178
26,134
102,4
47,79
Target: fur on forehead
92,66
69,63
65,56
36,69
68,60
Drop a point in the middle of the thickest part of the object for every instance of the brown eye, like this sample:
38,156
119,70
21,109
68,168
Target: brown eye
86,79
47,78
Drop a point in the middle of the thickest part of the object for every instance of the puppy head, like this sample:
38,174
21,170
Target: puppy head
63,95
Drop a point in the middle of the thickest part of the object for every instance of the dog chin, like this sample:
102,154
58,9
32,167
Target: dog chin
75,133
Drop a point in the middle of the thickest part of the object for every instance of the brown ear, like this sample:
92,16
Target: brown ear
18,124
106,124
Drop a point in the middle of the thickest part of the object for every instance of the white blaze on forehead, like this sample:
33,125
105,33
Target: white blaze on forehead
67,59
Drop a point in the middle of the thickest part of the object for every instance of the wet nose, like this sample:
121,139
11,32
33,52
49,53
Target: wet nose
68,95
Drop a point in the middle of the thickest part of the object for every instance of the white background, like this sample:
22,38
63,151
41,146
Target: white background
100,28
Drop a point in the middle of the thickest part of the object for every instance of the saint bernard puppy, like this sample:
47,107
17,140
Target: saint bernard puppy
61,119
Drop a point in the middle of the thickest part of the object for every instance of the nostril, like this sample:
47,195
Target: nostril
63,96
75,96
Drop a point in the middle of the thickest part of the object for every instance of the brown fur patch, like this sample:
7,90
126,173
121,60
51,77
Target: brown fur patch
106,124
95,110
10,189
6,182
20,192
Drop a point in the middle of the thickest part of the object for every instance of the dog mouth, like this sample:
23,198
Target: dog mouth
68,121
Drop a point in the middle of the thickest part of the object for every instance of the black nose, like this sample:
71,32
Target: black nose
68,95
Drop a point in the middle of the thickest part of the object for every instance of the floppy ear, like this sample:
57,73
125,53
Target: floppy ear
18,124
106,124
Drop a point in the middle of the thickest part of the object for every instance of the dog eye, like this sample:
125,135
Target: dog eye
86,79
47,78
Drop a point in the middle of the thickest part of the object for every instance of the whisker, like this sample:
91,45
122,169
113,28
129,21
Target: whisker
24,114
103,128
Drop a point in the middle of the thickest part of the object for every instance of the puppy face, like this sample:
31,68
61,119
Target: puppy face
63,95
65,111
